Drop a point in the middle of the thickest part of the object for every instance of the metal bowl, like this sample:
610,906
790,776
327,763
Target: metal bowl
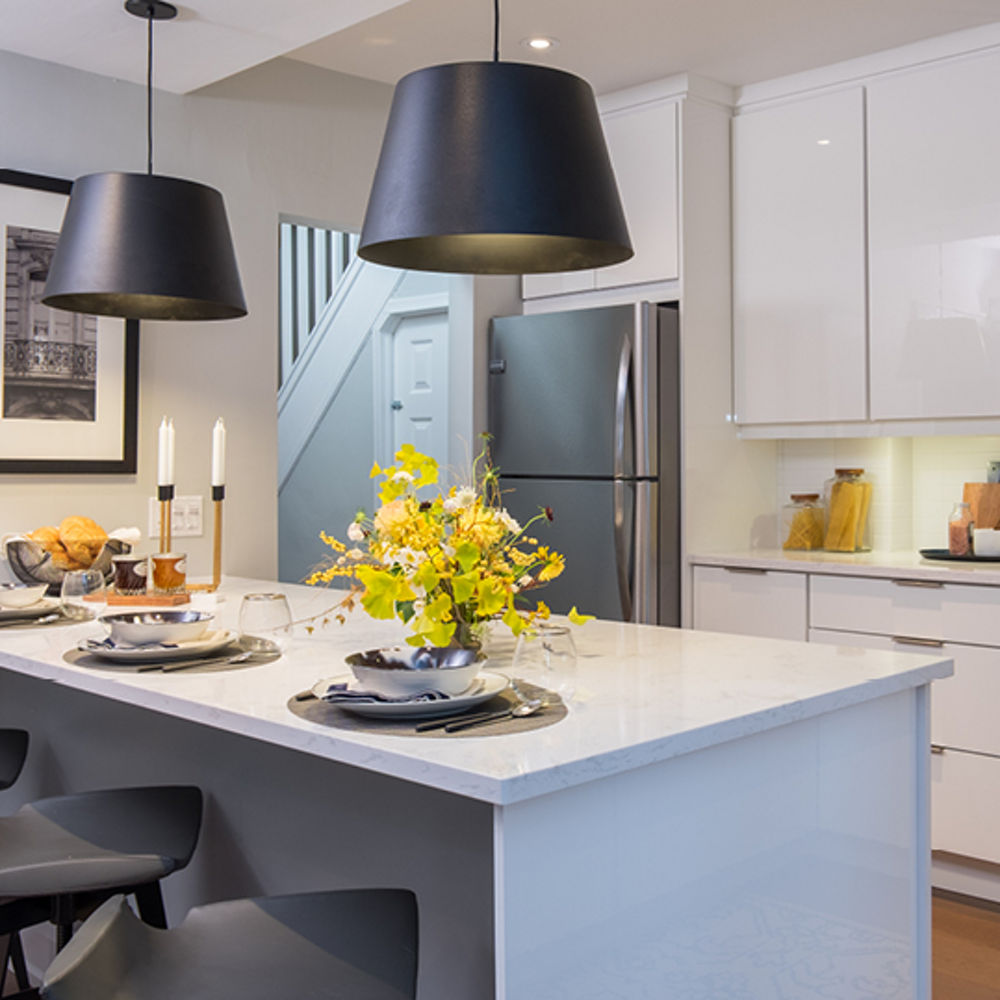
405,671
31,564
141,628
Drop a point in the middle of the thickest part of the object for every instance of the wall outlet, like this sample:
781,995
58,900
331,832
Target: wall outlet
186,517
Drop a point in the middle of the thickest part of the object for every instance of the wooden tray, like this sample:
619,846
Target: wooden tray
156,600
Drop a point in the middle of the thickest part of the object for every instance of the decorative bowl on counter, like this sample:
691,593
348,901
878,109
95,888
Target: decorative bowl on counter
142,628
31,564
405,671
21,595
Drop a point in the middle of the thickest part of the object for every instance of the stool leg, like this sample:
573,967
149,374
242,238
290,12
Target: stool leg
63,913
16,954
149,899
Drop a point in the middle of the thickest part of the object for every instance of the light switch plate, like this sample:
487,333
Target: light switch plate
186,517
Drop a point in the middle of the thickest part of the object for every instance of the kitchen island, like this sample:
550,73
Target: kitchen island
716,816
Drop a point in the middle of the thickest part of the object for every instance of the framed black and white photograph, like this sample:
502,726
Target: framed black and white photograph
69,383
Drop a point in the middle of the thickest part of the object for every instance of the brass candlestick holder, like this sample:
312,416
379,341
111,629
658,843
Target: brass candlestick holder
218,495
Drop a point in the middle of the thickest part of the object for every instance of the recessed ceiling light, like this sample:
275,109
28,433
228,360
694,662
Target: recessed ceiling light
822,142
540,43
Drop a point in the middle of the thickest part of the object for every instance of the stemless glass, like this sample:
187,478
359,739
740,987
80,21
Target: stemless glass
77,586
265,623
548,656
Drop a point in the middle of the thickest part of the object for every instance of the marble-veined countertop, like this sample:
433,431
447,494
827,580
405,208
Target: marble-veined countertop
638,695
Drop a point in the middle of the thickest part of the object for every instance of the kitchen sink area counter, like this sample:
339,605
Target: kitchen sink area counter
698,780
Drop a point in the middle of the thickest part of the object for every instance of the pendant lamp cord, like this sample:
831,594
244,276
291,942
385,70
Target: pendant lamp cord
496,30
149,92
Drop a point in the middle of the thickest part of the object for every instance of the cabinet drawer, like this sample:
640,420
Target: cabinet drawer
750,602
964,707
951,612
965,804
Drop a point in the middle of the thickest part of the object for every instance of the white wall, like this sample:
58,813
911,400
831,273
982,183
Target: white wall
283,138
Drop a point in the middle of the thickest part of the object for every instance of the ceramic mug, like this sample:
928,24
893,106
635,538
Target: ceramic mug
169,572
130,573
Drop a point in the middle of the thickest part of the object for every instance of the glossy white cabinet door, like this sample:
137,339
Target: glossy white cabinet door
965,798
642,143
765,602
799,261
934,215
643,147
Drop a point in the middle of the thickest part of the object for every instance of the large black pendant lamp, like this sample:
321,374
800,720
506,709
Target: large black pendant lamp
144,246
494,168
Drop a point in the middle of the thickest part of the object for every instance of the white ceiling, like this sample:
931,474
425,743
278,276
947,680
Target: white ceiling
612,43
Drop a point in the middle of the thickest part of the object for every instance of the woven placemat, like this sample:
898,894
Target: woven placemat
307,706
213,664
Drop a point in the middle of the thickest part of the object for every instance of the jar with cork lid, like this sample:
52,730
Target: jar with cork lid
802,522
960,528
848,496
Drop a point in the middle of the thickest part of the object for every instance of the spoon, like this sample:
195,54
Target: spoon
519,711
204,660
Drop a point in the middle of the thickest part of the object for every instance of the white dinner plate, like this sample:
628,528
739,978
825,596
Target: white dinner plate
41,607
492,685
206,645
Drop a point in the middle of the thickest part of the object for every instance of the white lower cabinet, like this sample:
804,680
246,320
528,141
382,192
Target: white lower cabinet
959,621
750,602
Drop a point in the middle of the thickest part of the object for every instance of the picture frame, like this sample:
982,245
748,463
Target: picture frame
69,383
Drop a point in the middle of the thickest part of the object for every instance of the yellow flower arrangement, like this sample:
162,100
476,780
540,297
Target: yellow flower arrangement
444,566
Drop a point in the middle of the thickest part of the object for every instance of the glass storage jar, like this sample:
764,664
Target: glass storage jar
960,530
848,496
803,522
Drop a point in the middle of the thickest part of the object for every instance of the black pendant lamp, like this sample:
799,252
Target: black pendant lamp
494,168
144,246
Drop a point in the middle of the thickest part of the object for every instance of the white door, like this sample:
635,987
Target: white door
419,401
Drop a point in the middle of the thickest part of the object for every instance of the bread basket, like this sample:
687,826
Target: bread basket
30,563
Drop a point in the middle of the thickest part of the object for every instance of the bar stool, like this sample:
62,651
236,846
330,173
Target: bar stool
349,944
61,857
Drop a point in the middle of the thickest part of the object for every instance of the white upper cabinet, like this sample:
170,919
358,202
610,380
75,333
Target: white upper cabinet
934,218
642,142
799,307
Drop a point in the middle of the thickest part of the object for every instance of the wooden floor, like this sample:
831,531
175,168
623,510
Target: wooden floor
966,946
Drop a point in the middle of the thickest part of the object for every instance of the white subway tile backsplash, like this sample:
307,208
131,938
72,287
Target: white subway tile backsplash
915,480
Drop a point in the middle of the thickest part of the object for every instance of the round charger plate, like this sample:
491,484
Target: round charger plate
214,642
42,607
492,685
945,554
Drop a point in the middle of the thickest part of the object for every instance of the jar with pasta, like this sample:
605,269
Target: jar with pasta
848,502
802,522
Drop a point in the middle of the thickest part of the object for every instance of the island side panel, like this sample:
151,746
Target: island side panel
276,821
787,863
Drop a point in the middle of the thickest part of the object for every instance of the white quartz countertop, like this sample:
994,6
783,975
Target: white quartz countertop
909,564
639,695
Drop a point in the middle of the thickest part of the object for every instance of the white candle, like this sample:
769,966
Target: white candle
219,453
170,452
164,466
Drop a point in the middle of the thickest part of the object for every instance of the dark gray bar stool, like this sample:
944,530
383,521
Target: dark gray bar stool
61,857
351,944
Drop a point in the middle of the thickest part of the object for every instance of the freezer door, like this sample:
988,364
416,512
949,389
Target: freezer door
594,527
565,389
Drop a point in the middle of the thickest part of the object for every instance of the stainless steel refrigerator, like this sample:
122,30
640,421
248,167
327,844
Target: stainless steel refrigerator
584,413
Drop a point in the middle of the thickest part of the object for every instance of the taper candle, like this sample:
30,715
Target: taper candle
165,456
219,453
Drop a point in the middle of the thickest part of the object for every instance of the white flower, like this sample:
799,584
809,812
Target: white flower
508,522
418,606
463,498
355,532
355,554
402,477
525,581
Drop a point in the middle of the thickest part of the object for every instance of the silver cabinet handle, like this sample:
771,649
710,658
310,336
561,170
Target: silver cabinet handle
756,570
912,640
930,584
937,748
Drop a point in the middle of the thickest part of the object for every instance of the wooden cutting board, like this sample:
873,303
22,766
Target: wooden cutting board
984,501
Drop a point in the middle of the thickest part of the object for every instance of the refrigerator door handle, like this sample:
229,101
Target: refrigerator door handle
622,550
645,588
622,388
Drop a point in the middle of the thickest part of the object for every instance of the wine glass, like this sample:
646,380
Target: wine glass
82,595
265,623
